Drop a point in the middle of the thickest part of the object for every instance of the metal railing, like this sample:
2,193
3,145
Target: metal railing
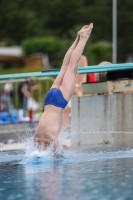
44,83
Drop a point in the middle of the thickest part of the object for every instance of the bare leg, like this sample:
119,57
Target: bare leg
68,83
58,81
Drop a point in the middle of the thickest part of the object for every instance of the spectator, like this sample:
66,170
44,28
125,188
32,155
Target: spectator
24,93
7,96
25,96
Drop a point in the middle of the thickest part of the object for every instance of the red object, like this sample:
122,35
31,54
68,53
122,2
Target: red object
91,77
30,114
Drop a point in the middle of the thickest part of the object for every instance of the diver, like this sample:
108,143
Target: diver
60,93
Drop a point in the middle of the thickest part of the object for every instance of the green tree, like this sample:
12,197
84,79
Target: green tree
21,20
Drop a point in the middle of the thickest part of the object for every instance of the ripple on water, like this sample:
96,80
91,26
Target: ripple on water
81,173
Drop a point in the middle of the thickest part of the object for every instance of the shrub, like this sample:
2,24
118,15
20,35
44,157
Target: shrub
98,52
53,46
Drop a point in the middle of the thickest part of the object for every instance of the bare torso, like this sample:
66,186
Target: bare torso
49,124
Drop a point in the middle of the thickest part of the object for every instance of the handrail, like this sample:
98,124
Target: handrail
85,69
24,79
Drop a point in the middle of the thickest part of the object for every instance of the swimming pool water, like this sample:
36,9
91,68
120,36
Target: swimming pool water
86,173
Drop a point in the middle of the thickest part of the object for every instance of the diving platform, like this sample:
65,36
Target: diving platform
102,119
108,87
80,70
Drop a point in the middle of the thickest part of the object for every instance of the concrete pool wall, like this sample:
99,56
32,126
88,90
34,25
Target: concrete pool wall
102,119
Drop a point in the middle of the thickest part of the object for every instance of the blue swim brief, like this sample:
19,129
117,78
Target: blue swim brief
55,97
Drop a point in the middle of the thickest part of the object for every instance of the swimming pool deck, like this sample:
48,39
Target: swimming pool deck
16,131
15,146
21,146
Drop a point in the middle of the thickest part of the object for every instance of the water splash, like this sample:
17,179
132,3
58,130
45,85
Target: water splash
34,154
28,132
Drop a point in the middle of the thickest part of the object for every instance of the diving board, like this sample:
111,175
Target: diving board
81,70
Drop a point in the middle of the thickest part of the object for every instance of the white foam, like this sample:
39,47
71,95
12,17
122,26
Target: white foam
34,155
